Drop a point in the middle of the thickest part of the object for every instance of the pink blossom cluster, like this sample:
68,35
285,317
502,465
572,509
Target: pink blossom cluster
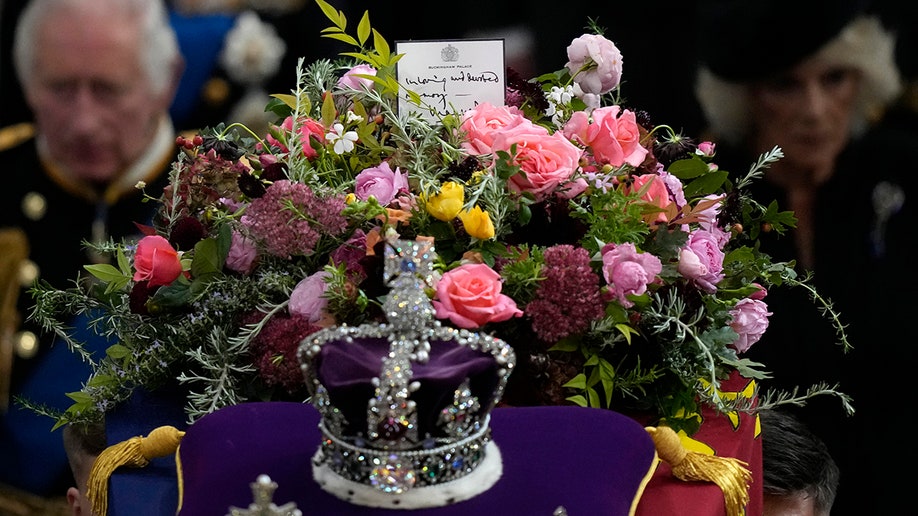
568,299
289,219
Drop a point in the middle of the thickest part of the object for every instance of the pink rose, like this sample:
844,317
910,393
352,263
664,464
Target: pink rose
627,271
750,320
483,121
156,261
470,297
380,182
656,193
701,260
707,217
614,139
548,160
350,79
242,254
308,129
705,149
307,299
595,63
674,187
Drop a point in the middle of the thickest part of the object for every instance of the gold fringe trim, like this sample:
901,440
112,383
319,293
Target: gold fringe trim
730,474
136,452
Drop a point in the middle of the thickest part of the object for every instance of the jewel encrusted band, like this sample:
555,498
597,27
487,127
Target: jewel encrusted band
398,471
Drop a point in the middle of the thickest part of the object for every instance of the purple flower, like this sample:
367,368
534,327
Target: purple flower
242,254
750,320
380,182
307,299
702,261
627,271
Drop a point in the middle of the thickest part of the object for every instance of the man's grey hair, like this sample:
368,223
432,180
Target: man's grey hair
863,44
159,44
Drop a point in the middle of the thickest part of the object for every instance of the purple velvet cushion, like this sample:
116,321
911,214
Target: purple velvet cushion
347,369
589,461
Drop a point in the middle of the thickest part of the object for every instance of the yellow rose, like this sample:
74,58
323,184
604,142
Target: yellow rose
448,203
477,223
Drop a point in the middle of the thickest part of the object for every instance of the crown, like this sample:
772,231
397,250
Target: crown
405,405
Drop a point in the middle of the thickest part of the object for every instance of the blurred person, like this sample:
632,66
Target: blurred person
82,443
816,83
800,477
99,77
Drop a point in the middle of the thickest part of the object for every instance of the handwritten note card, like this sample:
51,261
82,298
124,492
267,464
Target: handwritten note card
451,75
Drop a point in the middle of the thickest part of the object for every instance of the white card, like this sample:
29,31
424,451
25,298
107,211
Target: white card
451,75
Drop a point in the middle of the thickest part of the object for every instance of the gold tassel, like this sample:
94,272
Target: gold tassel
136,452
730,474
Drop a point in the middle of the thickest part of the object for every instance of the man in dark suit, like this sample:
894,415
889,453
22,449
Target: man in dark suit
99,77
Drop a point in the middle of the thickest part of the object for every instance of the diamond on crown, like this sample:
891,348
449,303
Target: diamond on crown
394,452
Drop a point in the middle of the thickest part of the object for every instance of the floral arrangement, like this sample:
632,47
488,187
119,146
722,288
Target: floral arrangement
614,255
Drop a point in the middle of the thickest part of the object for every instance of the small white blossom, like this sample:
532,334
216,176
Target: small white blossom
344,143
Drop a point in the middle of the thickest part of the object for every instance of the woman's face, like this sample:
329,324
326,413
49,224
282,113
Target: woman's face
806,111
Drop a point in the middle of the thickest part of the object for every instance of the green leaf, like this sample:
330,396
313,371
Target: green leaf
329,112
627,331
102,380
381,46
123,263
105,272
577,382
577,400
607,375
343,37
564,345
334,15
363,28
287,100
706,184
171,296
688,168
79,397
594,397
206,261
117,351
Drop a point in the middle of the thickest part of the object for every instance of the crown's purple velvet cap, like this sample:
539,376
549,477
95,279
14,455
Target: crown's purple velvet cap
348,369
548,452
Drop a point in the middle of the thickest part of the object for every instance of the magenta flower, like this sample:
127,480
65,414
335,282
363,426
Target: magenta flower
750,320
380,182
307,299
242,254
628,272
702,261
